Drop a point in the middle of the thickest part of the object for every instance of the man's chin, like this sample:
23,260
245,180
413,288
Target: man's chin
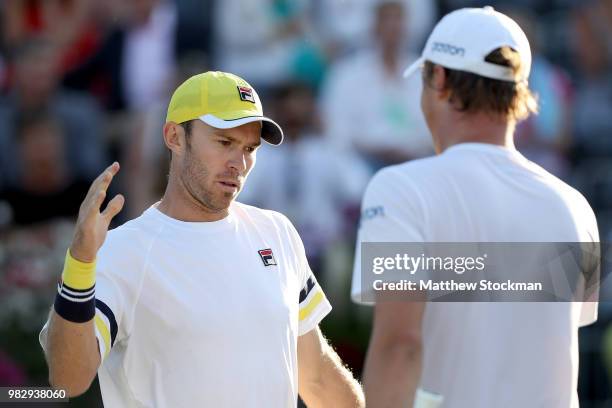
226,200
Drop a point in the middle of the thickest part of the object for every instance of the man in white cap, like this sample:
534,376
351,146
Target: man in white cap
201,301
478,188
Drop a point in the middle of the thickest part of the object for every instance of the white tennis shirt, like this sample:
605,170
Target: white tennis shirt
203,314
483,355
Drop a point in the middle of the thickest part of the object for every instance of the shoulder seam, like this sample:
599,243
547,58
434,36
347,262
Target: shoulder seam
143,272
133,311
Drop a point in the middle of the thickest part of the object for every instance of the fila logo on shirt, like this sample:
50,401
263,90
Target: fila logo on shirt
267,257
246,94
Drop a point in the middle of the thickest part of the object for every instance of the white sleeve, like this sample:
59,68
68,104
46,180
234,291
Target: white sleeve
588,311
115,292
313,304
117,283
391,211
119,277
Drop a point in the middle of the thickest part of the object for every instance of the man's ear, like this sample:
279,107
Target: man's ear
174,137
438,83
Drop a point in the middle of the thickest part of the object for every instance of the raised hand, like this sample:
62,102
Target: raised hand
92,225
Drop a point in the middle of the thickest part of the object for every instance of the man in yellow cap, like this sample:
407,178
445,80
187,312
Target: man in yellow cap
201,301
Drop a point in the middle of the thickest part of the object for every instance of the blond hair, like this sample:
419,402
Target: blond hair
471,93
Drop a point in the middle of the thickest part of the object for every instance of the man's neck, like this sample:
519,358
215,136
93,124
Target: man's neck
475,128
179,204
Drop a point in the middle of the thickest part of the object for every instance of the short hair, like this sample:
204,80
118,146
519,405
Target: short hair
187,127
471,93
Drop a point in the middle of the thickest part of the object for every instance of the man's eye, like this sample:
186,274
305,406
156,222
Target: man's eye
250,149
225,142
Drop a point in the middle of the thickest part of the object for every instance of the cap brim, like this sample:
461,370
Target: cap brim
414,67
271,132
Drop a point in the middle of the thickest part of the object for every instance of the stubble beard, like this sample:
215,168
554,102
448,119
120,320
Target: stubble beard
195,177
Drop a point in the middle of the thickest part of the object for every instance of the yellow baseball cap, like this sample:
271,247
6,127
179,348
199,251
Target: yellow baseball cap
223,101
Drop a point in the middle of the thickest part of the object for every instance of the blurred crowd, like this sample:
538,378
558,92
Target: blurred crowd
85,82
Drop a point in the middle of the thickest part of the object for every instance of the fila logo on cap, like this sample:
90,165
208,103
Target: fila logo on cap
246,94
267,257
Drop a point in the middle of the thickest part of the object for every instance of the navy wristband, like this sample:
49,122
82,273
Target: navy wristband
75,305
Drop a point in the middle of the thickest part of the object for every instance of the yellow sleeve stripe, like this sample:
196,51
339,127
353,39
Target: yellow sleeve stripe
78,275
314,302
104,333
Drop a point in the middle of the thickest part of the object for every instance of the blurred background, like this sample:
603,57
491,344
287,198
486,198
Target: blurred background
85,82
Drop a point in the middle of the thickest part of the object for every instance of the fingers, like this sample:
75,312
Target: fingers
114,206
97,191
98,199
107,176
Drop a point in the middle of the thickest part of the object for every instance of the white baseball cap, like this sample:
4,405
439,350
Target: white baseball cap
463,38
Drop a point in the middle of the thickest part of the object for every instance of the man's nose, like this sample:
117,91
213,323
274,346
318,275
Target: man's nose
238,161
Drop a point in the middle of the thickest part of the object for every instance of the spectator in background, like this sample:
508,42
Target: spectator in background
194,35
533,5
148,55
134,67
311,183
3,73
369,107
544,138
345,24
46,188
66,23
593,56
132,75
34,87
267,41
